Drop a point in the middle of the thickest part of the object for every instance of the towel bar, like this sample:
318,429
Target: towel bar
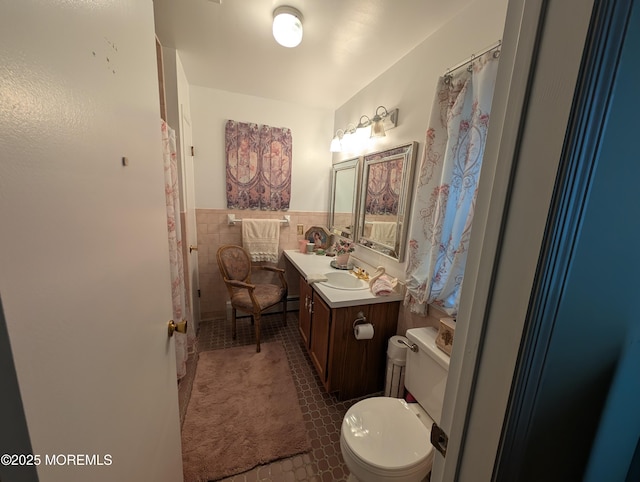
231,219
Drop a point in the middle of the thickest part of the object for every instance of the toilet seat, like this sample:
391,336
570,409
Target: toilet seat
369,473
386,435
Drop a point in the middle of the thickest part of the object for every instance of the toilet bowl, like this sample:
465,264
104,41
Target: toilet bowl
385,439
388,439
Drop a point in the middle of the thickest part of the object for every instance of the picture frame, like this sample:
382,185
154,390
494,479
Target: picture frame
318,235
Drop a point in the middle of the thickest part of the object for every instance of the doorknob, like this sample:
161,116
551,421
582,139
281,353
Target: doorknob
192,248
180,327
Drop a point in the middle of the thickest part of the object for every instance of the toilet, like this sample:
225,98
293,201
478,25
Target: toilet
385,438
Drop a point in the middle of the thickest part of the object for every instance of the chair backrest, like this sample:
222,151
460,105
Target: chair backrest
234,263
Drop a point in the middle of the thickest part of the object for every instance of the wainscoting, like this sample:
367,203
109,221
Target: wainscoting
213,232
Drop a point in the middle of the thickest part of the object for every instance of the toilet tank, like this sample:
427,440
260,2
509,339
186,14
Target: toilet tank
426,371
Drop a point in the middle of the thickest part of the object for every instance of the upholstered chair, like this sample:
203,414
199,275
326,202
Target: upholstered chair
235,267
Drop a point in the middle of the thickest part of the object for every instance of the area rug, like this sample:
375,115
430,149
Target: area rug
243,412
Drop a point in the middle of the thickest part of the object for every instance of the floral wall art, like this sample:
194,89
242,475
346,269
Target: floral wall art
258,166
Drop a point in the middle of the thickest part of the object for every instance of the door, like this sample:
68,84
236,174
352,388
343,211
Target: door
84,271
191,227
320,329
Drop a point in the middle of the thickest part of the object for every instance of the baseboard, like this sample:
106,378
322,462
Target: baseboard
293,304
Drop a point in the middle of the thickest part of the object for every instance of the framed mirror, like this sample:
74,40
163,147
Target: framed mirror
387,187
345,183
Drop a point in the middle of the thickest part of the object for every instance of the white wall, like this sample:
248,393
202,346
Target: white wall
311,129
410,85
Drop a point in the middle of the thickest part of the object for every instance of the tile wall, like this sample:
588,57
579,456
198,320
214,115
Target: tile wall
213,232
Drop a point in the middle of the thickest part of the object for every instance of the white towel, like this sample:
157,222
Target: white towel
383,232
261,238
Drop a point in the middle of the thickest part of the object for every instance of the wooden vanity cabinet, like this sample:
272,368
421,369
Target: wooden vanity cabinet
350,367
304,315
314,323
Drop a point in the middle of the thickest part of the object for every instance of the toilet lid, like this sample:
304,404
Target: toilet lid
384,432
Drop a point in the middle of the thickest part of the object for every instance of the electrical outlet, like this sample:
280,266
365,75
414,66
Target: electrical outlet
300,228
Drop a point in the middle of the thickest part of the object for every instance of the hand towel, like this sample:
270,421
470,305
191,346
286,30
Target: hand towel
383,286
316,278
261,238
383,232
379,272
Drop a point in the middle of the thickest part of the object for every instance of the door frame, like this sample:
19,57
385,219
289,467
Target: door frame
594,90
536,80
187,199
14,437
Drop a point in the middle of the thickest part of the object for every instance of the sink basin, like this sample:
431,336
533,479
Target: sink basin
344,281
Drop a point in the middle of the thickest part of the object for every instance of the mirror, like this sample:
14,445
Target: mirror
344,197
387,185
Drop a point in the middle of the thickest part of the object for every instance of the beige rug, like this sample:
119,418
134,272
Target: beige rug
243,412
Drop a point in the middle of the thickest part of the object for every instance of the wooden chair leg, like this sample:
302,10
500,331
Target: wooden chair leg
257,318
233,323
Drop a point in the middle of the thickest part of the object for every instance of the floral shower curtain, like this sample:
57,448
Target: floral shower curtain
447,187
258,166
183,342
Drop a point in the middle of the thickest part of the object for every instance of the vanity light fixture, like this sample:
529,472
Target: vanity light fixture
336,142
349,138
377,123
287,26
363,129
376,126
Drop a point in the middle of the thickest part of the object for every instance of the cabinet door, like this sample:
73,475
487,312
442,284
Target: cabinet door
304,315
358,366
320,328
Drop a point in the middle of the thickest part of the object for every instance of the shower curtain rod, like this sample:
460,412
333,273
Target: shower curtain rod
474,57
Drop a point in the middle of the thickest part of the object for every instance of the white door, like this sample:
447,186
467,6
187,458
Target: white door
191,228
84,272
519,171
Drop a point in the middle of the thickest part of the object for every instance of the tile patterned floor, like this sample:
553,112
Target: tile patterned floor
322,412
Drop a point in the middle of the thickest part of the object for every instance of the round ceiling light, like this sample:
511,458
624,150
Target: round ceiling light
287,26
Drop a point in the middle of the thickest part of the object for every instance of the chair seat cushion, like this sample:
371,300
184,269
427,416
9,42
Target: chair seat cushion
266,294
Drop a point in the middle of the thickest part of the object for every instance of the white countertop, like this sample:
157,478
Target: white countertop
312,264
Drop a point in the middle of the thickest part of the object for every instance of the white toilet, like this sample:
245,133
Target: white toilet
385,438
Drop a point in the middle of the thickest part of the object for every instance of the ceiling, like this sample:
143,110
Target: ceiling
228,45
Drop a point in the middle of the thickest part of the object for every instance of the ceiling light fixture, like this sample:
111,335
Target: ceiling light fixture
376,126
287,26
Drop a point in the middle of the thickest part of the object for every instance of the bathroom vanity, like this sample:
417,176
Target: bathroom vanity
328,311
